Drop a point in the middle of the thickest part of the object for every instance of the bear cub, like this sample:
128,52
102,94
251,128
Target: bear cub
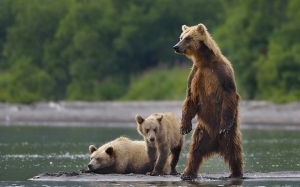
161,134
122,156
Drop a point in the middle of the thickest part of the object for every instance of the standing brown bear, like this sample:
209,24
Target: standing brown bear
212,96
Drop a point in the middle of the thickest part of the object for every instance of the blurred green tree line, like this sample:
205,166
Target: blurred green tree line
100,49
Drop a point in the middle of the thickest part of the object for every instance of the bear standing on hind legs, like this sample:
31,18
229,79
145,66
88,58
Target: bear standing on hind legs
212,96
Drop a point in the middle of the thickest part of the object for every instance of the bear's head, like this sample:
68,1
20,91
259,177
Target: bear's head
101,158
149,127
193,38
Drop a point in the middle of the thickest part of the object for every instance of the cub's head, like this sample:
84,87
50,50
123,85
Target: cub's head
149,127
101,158
191,40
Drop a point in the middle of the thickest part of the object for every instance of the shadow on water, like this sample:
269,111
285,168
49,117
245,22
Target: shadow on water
26,151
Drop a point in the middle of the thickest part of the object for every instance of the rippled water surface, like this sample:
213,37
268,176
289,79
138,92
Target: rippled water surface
26,151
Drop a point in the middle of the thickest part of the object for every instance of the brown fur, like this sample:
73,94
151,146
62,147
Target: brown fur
212,96
161,134
121,155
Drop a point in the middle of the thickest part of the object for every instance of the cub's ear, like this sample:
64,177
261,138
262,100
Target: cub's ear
139,119
109,150
92,148
159,118
201,28
184,27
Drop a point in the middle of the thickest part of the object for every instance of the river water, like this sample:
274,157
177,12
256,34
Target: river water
26,151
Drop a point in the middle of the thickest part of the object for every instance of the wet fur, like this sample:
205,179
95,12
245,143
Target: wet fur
213,98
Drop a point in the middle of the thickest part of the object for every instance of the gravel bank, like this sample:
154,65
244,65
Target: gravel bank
253,113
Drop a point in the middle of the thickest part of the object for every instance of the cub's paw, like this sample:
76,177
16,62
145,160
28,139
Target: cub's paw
153,173
174,173
84,171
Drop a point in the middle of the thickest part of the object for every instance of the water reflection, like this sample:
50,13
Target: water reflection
169,183
267,150
26,151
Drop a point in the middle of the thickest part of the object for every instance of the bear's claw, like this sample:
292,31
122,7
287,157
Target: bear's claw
225,128
153,173
184,130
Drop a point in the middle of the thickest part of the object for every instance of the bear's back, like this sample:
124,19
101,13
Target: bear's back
131,156
171,125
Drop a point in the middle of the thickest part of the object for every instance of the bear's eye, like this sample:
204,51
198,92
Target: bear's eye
154,130
188,39
98,159
91,158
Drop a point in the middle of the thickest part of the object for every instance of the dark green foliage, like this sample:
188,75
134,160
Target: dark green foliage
244,37
88,49
159,84
92,49
278,73
27,83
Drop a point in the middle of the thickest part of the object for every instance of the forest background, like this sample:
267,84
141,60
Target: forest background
99,50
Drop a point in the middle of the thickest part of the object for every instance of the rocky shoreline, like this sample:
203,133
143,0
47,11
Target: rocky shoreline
253,113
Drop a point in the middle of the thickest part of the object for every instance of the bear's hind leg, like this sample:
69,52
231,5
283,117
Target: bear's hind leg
232,152
200,149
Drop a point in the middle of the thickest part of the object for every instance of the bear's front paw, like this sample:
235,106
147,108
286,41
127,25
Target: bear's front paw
225,127
185,128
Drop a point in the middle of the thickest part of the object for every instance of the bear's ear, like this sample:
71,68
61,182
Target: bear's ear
184,27
109,150
159,118
139,119
92,148
201,28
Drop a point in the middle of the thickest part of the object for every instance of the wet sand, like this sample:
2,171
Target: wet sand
248,176
253,113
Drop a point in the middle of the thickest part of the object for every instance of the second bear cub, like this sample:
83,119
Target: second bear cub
161,134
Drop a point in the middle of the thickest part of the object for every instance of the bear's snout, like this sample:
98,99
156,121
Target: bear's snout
179,48
176,48
90,166
151,139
